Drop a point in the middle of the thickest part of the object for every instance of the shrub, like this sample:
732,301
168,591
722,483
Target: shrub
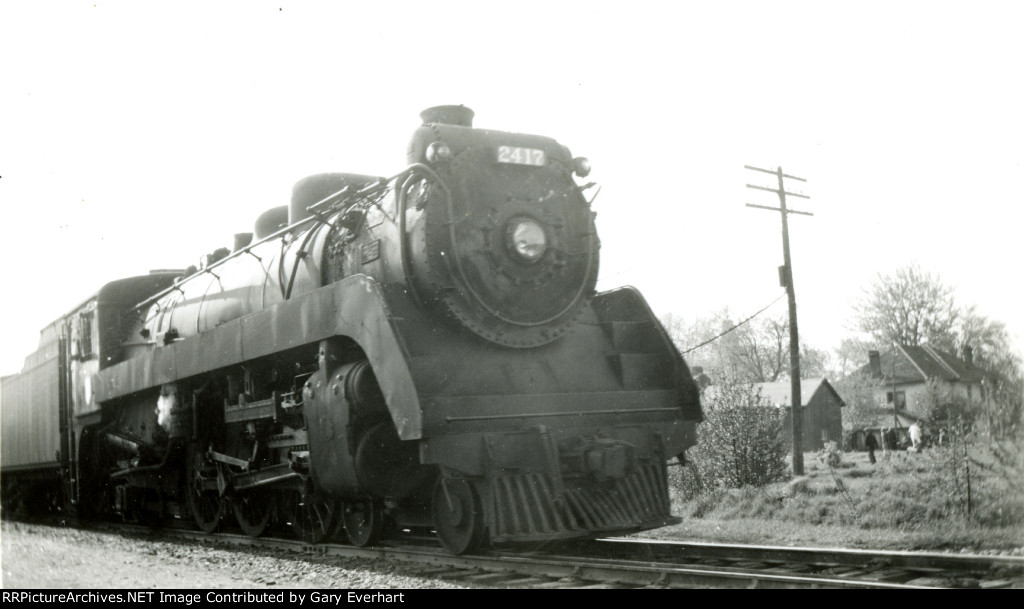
741,441
830,455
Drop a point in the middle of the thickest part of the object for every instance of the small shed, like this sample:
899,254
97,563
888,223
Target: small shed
821,410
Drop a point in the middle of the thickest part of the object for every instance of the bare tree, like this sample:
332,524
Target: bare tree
911,307
760,353
859,392
753,352
989,341
850,356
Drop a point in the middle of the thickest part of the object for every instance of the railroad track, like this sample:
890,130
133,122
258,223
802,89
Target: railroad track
631,563
637,563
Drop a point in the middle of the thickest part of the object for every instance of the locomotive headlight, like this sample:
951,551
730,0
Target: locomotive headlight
438,151
581,166
526,239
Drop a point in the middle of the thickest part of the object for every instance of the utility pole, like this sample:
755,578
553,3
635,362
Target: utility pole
786,279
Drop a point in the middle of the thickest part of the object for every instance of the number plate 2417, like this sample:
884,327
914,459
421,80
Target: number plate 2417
515,155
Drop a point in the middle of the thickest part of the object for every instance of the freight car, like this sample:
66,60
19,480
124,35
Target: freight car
424,350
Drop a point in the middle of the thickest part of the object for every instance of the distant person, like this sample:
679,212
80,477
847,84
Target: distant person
885,442
892,439
915,436
871,445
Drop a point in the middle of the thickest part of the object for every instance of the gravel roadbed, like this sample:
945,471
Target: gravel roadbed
37,556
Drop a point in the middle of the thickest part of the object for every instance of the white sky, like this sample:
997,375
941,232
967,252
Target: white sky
142,135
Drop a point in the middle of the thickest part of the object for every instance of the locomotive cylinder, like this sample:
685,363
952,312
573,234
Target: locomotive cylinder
362,391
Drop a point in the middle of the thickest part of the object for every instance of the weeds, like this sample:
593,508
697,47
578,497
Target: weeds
830,457
903,493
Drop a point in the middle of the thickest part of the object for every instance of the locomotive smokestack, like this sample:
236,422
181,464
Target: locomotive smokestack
448,115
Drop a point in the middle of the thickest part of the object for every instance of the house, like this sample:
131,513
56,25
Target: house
821,408
904,374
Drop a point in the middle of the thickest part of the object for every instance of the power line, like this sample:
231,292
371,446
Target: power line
711,340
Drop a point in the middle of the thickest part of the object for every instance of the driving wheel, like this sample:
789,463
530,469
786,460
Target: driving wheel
205,504
363,522
312,519
458,517
252,511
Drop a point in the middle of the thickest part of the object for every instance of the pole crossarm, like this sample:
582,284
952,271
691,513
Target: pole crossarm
773,172
788,211
791,194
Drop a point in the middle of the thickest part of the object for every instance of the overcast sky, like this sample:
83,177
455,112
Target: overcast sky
137,135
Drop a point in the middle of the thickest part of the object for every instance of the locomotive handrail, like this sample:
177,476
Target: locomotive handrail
282,231
299,255
314,208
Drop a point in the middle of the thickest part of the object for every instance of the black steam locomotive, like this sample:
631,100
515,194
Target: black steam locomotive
425,350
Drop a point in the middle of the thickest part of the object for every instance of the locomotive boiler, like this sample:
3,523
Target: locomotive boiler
425,350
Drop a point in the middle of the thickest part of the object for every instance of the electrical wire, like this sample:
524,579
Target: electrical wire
710,340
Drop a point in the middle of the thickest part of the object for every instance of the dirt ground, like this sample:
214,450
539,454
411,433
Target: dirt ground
37,556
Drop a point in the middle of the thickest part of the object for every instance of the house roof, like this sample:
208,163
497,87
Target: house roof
967,373
779,393
907,364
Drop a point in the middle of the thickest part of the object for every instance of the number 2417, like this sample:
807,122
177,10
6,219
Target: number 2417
520,156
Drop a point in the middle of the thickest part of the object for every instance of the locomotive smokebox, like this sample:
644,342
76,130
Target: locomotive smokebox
448,115
317,187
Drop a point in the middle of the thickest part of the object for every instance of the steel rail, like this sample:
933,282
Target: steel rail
937,561
499,568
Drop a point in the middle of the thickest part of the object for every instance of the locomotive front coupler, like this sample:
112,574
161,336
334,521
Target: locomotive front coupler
571,456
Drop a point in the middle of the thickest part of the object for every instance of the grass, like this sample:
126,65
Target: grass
906,501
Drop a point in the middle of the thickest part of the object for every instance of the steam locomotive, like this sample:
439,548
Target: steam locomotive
420,351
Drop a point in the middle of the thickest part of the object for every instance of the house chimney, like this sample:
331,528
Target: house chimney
969,356
875,362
